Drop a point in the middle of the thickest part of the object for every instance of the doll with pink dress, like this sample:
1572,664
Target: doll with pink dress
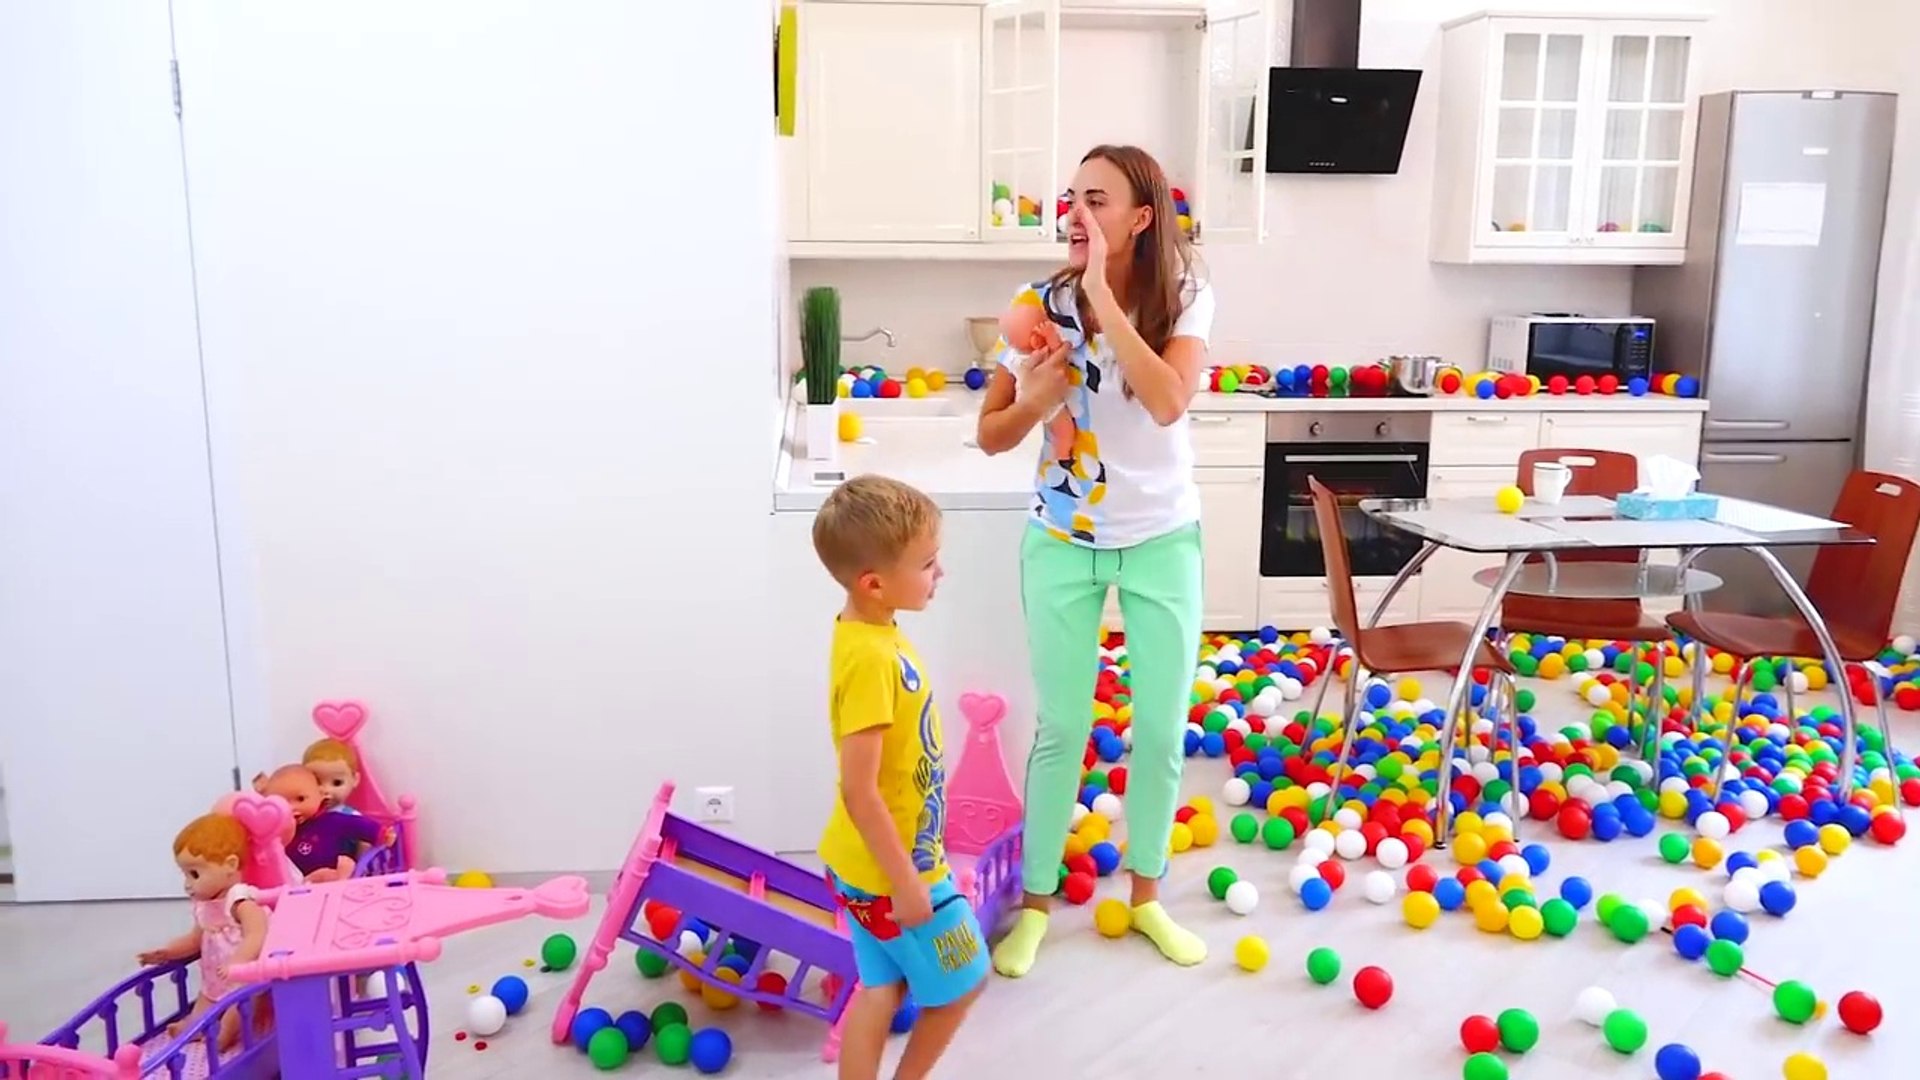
229,923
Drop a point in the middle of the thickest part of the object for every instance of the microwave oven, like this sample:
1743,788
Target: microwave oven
1571,345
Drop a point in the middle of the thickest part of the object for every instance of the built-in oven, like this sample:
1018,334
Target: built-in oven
1357,455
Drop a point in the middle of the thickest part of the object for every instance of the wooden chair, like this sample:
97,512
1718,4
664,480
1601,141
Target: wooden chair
1402,649
1855,588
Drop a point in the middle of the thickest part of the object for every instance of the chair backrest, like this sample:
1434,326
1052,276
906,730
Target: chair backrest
1333,546
1595,472
1858,587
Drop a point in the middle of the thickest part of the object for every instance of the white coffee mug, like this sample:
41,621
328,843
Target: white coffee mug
1550,480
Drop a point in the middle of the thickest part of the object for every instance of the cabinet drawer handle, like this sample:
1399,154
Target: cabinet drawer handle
1744,459
1205,418
1476,419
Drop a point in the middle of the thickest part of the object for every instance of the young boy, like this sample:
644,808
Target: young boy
885,850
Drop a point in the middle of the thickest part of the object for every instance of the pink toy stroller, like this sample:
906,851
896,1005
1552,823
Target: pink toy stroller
398,818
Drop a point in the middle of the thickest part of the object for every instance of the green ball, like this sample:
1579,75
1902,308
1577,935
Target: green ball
1390,767
1098,781
1629,923
1220,880
1244,827
651,964
666,1014
1483,1067
1215,722
1559,916
1277,832
1725,958
1518,898
1794,1001
608,1049
1625,1031
1674,848
1524,700
558,952
1608,904
1323,965
672,1043
1519,1031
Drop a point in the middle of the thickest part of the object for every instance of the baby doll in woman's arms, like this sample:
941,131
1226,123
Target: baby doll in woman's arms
1030,334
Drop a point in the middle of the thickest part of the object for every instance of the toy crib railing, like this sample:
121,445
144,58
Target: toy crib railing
992,883
162,997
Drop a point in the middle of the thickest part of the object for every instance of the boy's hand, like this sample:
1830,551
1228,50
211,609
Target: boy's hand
913,906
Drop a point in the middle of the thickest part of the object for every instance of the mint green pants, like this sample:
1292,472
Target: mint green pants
1063,589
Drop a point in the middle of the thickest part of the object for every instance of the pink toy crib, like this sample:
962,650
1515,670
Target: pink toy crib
399,817
756,899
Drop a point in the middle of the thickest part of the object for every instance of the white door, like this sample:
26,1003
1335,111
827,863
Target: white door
117,726
890,121
1230,508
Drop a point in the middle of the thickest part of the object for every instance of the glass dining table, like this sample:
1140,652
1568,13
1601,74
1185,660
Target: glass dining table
1531,540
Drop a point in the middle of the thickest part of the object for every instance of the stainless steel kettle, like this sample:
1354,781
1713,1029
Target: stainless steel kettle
1415,374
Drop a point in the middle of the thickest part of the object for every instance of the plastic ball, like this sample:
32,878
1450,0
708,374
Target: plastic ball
1392,852
1676,1062
1078,888
1795,1001
1691,941
1420,909
1778,897
1725,958
1242,897
1577,892
1236,792
1742,896
608,1048
1316,894
585,1023
1373,987
1859,1012
1558,917
1509,499
652,965
486,1015
668,1013
1107,805
1323,965
1803,1066
1219,879
1713,825
710,1050
1526,923
1674,848
1629,923
1519,1031
1810,861
904,1017
633,1024
975,378
1594,1005
558,952
1624,1031
1730,926
1250,953
672,1044
1483,1066
512,992
1834,838
1479,1034
1350,845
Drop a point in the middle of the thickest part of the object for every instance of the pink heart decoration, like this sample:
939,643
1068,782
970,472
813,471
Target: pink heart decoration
983,711
340,719
261,815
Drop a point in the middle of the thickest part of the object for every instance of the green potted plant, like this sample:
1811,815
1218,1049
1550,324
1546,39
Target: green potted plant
820,368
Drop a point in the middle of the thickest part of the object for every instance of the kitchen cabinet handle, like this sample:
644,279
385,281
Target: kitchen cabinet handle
1475,418
1206,418
1334,459
1744,459
1750,425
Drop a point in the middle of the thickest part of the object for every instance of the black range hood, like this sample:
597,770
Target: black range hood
1325,113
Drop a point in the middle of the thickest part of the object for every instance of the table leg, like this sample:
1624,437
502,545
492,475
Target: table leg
1457,699
1848,751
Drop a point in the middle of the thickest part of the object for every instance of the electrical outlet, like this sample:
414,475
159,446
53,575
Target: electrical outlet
714,803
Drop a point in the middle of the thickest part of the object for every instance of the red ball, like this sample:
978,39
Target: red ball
1583,385
1422,878
1907,696
1501,850
1450,383
1083,864
1910,792
1859,1011
1503,389
1333,873
661,920
1078,888
1688,915
1574,822
889,388
1117,779
1888,828
770,982
1374,833
1608,383
1557,384
1467,875
1373,986
1479,1034
1542,804
1416,847
1184,814
1793,807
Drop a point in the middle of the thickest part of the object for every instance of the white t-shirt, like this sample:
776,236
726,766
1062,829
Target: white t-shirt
1129,479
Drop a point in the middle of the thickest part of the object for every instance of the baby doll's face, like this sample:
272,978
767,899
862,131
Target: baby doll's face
301,789
206,879
337,780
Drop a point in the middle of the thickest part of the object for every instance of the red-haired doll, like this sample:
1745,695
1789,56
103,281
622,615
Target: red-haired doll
229,923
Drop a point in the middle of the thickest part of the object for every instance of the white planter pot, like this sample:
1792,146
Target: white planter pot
820,437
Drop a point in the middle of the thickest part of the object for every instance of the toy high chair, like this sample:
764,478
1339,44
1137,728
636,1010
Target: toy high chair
399,818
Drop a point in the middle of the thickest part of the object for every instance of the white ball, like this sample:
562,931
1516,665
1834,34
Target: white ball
1291,688
1236,724
1301,874
1107,805
1242,897
689,943
1263,706
1003,207
1797,679
1350,845
1080,812
1236,792
1593,1005
486,1015
1749,874
1753,804
1319,840
1904,644
1514,866
1205,673
1674,783
1655,911
1380,886
1422,706
1617,788
1309,857
1776,870
1318,790
1392,853
1319,635
1126,737
1596,660
1553,773
1348,818
1598,695
1499,819
1713,825
1742,896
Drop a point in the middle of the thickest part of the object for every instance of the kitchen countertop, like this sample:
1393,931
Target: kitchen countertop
928,442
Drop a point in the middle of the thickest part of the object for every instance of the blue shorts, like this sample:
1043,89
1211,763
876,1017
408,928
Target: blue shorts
941,961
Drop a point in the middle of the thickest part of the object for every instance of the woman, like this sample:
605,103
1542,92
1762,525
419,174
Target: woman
1120,510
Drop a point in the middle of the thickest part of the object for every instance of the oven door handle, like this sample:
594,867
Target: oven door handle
1336,459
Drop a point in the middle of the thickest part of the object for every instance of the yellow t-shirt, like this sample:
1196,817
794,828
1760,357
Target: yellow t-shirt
878,682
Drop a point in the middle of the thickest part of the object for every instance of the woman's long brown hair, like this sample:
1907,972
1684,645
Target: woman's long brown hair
1161,280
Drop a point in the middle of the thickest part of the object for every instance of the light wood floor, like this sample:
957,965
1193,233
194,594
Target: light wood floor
1095,1008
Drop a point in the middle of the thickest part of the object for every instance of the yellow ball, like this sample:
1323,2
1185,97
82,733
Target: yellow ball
1093,829
1408,689
1722,663
1508,500
1205,829
936,379
1201,804
1481,893
1683,897
1810,861
1419,827
473,879
1494,834
1708,854
1834,838
1469,849
848,426
1250,953
717,999
1468,822
1525,923
1673,805
687,978
1181,838
1112,918
1515,882
1804,1066
1420,910
1077,844
1491,918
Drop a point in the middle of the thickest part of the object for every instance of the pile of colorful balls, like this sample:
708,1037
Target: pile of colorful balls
874,382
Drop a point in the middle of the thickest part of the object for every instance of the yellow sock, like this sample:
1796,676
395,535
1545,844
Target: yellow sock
1013,957
1174,941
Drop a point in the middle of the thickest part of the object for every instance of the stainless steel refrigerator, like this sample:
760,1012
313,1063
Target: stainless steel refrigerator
1773,308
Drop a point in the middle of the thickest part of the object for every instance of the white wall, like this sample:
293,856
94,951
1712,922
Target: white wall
488,313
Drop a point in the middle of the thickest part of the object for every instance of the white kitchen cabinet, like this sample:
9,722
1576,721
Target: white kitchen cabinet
888,124
1565,140
1230,516
1642,435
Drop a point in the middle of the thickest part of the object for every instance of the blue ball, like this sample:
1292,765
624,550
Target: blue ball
1801,833
1378,696
1106,857
975,379
1483,389
904,1016
1449,893
1691,941
746,947
1673,1061
710,1050
735,962
1192,742
1491,871
864,389
1856,819
1687,386
700,930
1730,926
1538,858
1576,891
1637,386
1213,744
1740,860
512,992
636,1027
1316,894
586,1023
1606,827
1778,897
1269,635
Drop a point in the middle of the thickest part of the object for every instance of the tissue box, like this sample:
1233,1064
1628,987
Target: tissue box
1690,507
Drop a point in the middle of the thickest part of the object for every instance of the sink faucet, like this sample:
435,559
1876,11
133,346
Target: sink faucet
878,331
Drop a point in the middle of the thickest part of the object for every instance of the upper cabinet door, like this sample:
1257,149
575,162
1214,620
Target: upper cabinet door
1641,113
890,121
1529,196
1230,205
1020,122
